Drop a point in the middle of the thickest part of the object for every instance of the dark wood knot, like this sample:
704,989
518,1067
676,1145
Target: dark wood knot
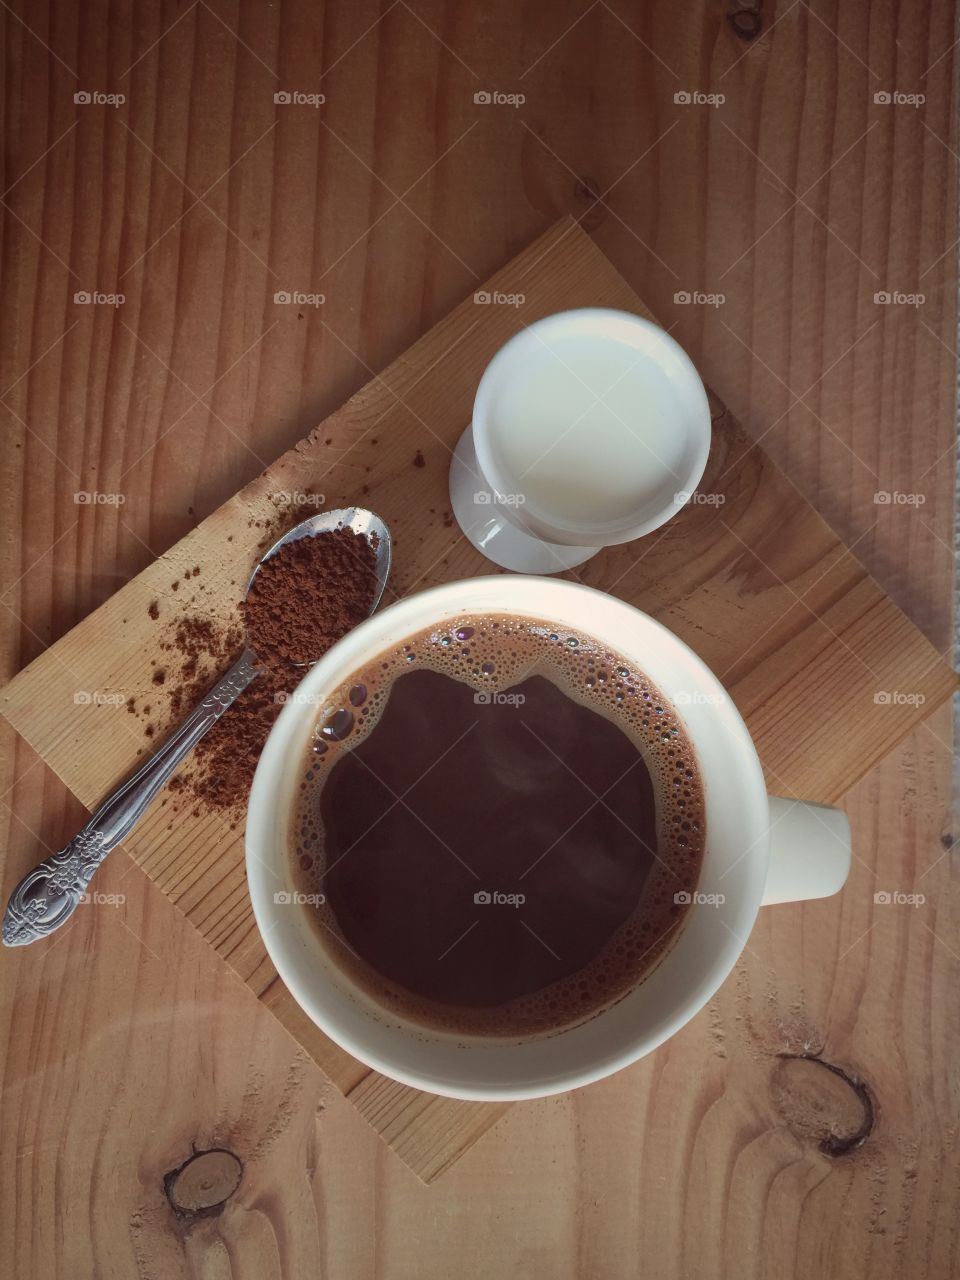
822,1103
586,190
202,1185
747,24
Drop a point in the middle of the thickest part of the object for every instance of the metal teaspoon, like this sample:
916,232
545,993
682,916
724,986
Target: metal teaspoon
48,895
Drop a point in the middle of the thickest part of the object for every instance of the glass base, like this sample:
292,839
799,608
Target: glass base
482,520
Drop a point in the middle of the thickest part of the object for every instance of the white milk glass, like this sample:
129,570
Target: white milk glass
589,428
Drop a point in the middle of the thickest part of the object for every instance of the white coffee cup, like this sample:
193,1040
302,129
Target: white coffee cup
759,850
590,428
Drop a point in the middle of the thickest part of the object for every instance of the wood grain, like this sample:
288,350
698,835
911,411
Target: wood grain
706,1155
826,642
711,205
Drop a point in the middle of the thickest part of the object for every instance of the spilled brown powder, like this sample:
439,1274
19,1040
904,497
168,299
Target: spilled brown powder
205,648
226,757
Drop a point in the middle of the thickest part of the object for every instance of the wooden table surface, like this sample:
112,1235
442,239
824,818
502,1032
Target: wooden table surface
814,1130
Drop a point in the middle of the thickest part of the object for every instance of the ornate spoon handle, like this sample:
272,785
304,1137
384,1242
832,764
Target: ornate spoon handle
48,895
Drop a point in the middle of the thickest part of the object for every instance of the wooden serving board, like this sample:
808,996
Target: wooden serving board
828,673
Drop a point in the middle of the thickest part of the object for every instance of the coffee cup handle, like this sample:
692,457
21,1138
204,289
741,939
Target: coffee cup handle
809,851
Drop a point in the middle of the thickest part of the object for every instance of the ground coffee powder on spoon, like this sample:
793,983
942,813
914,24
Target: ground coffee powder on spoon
310,593
304,599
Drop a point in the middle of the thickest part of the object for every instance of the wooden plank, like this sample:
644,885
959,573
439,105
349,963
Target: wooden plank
760,563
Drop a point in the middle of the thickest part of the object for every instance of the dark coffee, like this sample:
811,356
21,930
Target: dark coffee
504,821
